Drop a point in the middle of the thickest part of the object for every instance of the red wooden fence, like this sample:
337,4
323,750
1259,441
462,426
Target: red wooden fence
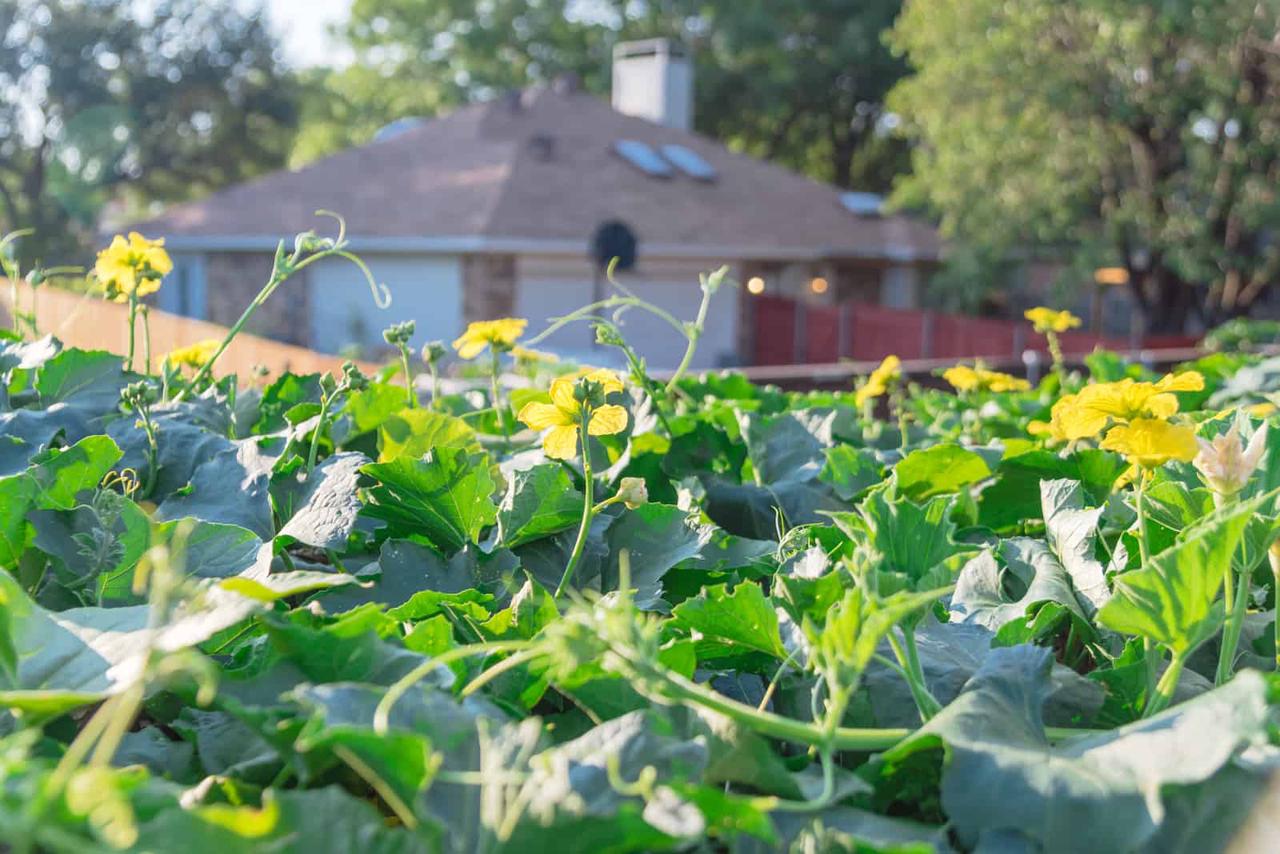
790,332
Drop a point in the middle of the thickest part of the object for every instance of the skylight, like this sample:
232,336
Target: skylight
644,158
862,204
689,162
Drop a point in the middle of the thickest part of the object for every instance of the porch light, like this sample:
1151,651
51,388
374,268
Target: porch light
818,285
755,285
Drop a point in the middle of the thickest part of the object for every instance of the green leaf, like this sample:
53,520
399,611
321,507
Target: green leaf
850,471
1104,792
414,432
743,618
89,379
17,493
445,497
657,538
322,507
61,474
1072,532
57,661
938,470
540,501
982,591
1173,600
906,538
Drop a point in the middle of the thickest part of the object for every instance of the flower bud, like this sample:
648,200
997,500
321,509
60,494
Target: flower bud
633,492
1226,463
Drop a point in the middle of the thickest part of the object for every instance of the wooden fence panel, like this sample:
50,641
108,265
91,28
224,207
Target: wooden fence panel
92,323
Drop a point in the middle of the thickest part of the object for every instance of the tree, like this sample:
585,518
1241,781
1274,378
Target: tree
130,103
1123,132
800,81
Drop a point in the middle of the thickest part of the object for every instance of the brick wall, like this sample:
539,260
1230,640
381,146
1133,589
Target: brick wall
234,278
488,286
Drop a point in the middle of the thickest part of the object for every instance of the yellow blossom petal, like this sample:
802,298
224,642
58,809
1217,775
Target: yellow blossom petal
562,395
607,420
561,443
1149,442
486,333
540,416
607,379
1184,381
193,355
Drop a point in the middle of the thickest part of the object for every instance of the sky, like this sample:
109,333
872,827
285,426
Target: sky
302,27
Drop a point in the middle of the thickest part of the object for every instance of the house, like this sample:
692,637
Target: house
492,211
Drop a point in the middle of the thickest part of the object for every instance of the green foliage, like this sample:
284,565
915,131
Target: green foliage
111,101
1129,134
258,653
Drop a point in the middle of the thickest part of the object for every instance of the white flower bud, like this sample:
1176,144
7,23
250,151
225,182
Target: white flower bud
633,492
1226,464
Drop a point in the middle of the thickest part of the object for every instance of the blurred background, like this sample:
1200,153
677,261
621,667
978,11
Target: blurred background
880,176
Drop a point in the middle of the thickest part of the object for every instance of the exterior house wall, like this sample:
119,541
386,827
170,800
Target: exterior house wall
426,289
232,279
553,287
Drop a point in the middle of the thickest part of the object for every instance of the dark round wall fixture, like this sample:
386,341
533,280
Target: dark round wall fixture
614,239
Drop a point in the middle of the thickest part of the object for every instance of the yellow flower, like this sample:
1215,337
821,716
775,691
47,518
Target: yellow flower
1151,442
193,355
965,378
1047,320
499,334
563,415
524,354
1127,400
134,266
878,383
1260,410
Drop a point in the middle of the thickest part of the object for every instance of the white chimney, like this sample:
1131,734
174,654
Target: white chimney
653,79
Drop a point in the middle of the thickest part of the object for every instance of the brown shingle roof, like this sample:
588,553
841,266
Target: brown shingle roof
483,173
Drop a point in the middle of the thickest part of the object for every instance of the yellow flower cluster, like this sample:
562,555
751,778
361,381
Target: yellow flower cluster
877,385
1138,414
1047,320
569,406
501,335
132,267
193,355
965,378
533,357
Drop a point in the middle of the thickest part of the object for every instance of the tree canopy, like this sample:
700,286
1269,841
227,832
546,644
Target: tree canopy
1126,132
800,81
131,103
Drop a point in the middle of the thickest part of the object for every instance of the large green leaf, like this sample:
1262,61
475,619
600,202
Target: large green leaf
1003,780
232,488
850,471
414,432
1173,600
540,501
54,661
446,497
1072,531
744,618
321,508
905,538
1034,575
938,470
89,379
657,537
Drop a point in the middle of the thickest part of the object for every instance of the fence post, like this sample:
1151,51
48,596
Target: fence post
842,333
926,335
798,349
1019,339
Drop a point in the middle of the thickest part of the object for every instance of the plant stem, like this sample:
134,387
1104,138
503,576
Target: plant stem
1273,555
133,317
588,509
146,337
435,385
693,333
909,659
495,393
1055,351
1165,689
1149,657
1231,631
315,436
408,378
